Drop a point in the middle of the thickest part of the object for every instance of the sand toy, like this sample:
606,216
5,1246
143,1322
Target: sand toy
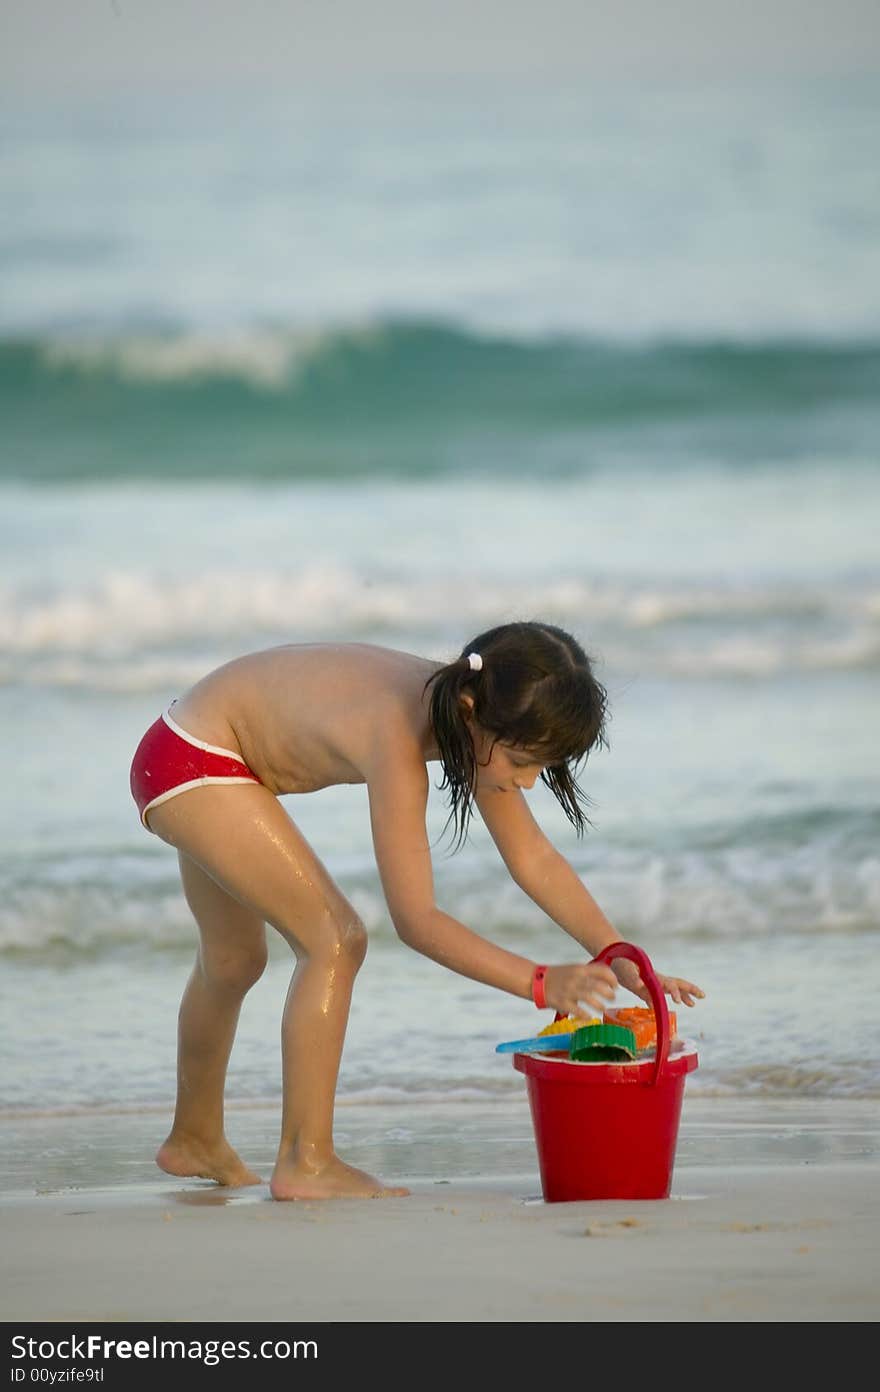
602,1044
554,1038
641,1020
609,1130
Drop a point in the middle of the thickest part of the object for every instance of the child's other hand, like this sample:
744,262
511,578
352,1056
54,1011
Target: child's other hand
682,992
569,989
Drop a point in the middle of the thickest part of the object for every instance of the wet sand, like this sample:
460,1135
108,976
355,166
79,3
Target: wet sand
773,1216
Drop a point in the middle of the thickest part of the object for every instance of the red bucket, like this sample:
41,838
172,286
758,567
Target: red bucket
609,1130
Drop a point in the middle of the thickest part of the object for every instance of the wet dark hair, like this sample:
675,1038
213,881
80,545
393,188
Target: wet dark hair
535,690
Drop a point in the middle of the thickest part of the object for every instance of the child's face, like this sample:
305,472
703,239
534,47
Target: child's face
503,767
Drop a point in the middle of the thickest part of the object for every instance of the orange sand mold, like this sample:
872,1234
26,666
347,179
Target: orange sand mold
640,1019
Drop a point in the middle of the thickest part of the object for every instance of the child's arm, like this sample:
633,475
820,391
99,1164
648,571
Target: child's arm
398,793
547,877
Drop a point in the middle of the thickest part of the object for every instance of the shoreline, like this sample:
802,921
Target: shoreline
68,1151
772,1217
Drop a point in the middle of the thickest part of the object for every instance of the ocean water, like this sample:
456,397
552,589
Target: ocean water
397,373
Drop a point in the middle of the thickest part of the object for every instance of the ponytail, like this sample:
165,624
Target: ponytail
454,740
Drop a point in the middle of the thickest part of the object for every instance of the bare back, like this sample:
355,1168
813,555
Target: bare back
308,716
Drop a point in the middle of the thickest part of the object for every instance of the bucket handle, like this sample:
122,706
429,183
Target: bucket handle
658,1000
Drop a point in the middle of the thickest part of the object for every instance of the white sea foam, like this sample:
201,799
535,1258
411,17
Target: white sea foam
814,884
264,357
134,630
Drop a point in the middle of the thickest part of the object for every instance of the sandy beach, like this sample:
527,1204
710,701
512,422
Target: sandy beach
773,1217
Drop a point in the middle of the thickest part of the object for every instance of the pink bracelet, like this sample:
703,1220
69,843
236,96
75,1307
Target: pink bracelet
538,988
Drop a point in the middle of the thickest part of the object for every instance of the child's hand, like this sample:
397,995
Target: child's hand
682,992
569,989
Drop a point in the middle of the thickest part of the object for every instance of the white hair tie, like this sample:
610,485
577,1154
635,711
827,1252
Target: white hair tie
475,661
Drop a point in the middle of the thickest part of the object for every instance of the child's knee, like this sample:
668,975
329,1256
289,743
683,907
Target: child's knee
355,940
344,936
335,936
234,969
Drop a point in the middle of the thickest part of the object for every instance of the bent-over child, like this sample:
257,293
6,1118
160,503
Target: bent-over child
520,703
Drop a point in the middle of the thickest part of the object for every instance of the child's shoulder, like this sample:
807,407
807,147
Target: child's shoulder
383,666
388,675
379,694
388,694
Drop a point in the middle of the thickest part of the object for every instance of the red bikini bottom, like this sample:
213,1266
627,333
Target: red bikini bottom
168,761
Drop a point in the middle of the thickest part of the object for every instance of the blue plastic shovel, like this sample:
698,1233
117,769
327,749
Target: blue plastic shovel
541,1044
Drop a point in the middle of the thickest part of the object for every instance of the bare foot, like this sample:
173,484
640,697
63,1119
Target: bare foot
335,1181
196,1160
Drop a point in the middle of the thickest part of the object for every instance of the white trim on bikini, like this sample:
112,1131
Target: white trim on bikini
183,787
200,744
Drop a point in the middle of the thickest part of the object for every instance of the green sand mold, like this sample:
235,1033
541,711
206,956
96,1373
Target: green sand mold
602,1044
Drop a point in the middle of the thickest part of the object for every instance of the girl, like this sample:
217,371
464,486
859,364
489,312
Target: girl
520,703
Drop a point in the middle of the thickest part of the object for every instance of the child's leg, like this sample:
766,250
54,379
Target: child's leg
243,839
231,957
